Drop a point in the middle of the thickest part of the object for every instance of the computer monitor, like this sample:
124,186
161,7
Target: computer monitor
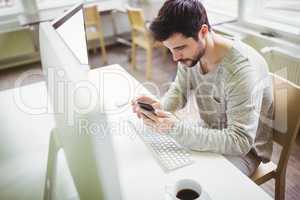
71,28
89,154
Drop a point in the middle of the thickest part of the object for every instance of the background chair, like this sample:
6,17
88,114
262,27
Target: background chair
286,126
93,29
141,37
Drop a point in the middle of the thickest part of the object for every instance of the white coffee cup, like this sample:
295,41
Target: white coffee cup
183,184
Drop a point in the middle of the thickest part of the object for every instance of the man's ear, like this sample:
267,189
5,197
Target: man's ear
203,31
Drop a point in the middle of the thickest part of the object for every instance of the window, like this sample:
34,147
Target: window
283,11
286,12
6,3
10,7
44,4
224,7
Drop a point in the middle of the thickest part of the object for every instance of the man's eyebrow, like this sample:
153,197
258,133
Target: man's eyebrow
179,47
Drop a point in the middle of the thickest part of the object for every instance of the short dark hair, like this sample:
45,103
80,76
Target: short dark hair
179,16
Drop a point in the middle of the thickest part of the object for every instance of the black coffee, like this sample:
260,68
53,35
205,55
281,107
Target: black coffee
187,194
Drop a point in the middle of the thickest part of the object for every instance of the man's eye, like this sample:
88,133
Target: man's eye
181,48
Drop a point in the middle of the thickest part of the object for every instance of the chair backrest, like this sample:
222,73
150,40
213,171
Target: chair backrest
286,116
283,63
91,16
136,19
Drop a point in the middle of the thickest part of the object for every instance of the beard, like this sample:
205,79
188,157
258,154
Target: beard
191,62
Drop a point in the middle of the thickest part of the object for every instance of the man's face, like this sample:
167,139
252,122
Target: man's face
186,50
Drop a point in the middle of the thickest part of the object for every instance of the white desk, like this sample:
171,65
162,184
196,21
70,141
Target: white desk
140,175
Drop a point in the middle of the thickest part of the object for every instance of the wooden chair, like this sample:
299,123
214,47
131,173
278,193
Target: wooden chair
93,29
286,126
141,37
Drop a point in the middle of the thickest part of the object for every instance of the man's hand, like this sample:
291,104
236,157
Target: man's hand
161,121
144,99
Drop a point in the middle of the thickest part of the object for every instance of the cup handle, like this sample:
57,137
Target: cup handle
168,189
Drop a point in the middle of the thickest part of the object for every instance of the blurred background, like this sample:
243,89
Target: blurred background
272,27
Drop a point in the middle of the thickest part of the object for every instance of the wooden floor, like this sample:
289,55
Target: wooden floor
163,72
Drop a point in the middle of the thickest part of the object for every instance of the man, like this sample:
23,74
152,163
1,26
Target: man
230,82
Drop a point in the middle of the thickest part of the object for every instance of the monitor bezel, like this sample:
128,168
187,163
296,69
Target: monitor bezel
65,17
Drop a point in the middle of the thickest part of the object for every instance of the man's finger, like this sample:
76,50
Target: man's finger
133,102
134,108
143,116
150,115
137,110
149,122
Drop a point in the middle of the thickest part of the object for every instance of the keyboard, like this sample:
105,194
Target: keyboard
169,154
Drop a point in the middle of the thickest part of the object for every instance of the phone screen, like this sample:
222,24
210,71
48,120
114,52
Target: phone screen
146,106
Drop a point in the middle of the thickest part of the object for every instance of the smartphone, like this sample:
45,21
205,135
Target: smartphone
146,106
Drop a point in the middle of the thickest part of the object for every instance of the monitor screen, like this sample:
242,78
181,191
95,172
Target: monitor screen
71,29
88,153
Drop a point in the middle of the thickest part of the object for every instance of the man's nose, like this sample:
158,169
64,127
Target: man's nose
177,56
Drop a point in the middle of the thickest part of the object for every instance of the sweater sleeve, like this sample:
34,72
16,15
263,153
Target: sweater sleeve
243,93
176,96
